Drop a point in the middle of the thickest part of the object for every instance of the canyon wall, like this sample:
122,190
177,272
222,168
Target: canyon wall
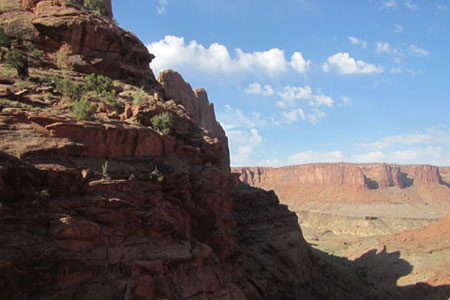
113,207
351,183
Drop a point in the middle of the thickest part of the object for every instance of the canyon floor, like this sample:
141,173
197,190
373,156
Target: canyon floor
389,224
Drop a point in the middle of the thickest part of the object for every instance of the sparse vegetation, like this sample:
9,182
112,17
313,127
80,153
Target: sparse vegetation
69,89
136,122
103,87
170,104
97,7
17,60
101,84
162,122
5,40
83,110
156,176
61,58
139,96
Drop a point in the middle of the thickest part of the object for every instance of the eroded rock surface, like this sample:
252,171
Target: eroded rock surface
93,44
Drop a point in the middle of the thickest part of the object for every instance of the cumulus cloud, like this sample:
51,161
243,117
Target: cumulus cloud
417,51
291,94
243,144
315,157
174,52
257,88
293,115
345,64
298,62
161,7
355,41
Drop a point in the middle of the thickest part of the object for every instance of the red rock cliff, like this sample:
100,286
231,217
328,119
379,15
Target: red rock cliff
93,44
353,183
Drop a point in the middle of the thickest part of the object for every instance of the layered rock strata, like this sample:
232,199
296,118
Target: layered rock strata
351,183
91,43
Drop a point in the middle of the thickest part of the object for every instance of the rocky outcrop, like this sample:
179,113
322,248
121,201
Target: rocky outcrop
197,105
93,44
68,233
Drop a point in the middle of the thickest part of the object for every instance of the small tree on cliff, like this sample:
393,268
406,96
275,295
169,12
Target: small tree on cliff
19,61
97,7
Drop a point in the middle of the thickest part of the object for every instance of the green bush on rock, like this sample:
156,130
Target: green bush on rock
162,122
83,110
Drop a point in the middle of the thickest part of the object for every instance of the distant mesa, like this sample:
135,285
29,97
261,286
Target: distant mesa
351,183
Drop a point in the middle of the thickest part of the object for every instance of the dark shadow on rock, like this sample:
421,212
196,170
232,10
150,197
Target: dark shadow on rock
406,181
372,184
281,265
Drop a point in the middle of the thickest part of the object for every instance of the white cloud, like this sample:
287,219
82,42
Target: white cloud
417,51
430,136
430,147
355,41
236,118
256,88
291,94
376,156
161,7
298,63
348,65
442,7
398,28
396,70
243,144
346,101
315,157
410,5
313,116
174,52
389,4
383,47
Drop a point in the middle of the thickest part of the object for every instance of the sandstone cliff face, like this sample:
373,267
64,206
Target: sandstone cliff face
341,174
338,183
197,104
94,44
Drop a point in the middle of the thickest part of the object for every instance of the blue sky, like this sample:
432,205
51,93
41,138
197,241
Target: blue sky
300,81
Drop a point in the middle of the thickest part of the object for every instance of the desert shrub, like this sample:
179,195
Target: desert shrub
102,85
136,122
162,122
139,96
36,53
69,89
61,58
83,110
97,7
5,40
17,60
